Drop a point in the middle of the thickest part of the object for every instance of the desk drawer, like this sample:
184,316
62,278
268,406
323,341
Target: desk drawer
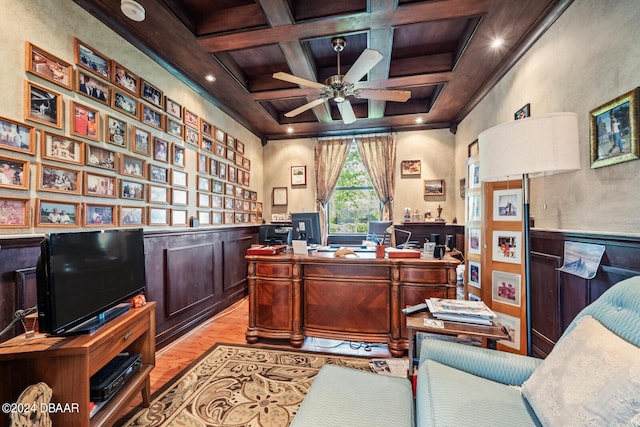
423,275
267,269
347,271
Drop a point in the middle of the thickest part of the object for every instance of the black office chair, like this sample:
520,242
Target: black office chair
378,232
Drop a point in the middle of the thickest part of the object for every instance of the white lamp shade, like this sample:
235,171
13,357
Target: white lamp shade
539,145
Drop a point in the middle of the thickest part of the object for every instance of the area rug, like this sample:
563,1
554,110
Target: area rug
233,385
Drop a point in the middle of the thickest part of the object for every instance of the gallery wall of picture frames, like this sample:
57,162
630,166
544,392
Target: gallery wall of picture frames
121,158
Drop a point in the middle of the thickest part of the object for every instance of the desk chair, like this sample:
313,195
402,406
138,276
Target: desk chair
378,232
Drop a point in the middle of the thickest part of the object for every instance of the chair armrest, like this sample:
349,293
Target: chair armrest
500,366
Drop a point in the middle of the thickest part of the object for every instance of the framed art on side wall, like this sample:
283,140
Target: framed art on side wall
298,175
42,105
507,246
14,173
17,137
54,213
14,212
49,67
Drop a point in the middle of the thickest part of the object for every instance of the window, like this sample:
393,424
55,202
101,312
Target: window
354,202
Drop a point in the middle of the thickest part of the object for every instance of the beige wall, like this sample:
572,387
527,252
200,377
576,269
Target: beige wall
590,56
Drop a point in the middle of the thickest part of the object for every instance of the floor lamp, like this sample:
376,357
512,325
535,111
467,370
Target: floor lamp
527,148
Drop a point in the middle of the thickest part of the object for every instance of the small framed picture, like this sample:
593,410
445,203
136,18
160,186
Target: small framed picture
150,93
132,190
216,186
505,288
42,105
172,107
92,60
178,155
229,189
99,215
17,137
204,183
14,173
115,131
238,192
150,116
54,213
140,141
204,217
125,79
222,170
49,67
216,218
507,205
220,150
203,163
298,175
179,197
231,173
174,127
433,187
511,325
411,168
216,201
474,175
158,173
219,135
132,215
95,89
523,112
58,179
206,127
100,157
160,150
231,155
213,167
14,212
61,149
204,200
279,196
246,163
474,274
179,178
85,121
192,137
178,217
158,194
207,144
473,245
239,147
190,119
125,103
229,218
158,216
132,166
473,209
231,142
507,246
229,203
99,185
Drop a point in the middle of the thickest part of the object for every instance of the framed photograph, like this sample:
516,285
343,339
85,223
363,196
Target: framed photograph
239,218
507,246
14,173
473,246
473,149
150,93
245,179
61,149
100,215
231,155
206,127
511,325
49,67
207,144
231,142
172,107
463,187
216,218
191,119
177,155
125,79
115,131
220,150
507,205
42,105
140,141
179,197
125,103
216,187
238,192
279,196
474,175
433,187
411,168
231,173
178,217
203,163
523,112
239,147
192,137
298,175
474,211
17,136
505,288
99,185
158,173
58,179
85,121
216,201
14,212
158,194
204,200
179,178
132,190
100,157
132,215
204,217
213,167
219,135
614,131
246,163
54,213
95,89
204,183
160,150
132,166
229,218
174,127
229,203
158,216
474,274
92,60
151,116
229,189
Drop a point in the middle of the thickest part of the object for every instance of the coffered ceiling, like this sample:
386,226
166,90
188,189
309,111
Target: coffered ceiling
438,50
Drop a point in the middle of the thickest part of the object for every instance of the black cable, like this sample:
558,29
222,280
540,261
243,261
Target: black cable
19,317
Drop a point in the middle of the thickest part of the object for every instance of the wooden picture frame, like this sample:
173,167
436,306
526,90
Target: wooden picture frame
42,105
178,155
160,150
84,120
614,131
151,117
61,148
132,166
204,183
220,150
123,102
178,217
140,141
48,67
298,175
14,173
174,127
206,127
222,170
229,189
100,157
89,86
523,112
115,131
58,179
411,168
240,147
132,190
229,218
172,107
151,94
217,201
219,135
56,213
434,187
98,185
179,178
191,136
91,60
179,197
15,212
474,240
204,200
231,142
204,217
16,136
158,173
207,143
125,79
203,163
158,216
216,218
213,167
99,215
191,119
279,196
217,186
130,216
228,202
158,194
507,205
231,173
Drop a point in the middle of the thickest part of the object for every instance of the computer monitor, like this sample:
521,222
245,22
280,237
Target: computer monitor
275,234
306,226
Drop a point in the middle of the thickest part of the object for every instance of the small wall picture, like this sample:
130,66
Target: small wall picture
192,137
204,200
158,173
174,127
474,175
53,213
523,112
474,208
92,60
177,159
220,136
132,166
433,187
158,216
17,137
14,173
507,205
116,131
124,103
42,105
132,215
172,107
85,121
473,246
14,212
49,67
511,325
160,150
140,141
191,119
474,274
61,149
158,194
505,288
100,157
507,246
125,79
99,185
206,127
411,168
58,179
178,217
179,178
179,197
204,217
151,94
99,215
95,89
132,190
151,116
298,175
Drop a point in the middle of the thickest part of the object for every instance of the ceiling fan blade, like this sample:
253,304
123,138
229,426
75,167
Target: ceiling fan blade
346,111
305,107
384,94
297,80
365,62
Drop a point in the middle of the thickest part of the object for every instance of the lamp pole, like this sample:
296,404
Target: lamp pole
527,258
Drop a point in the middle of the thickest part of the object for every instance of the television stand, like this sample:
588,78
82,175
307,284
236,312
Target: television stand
94,323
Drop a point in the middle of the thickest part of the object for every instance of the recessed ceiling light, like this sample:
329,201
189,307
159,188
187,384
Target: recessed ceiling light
497,42
132,10
210,78
419,120
289,129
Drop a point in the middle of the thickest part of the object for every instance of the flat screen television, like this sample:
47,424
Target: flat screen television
82,277
273,234
306,226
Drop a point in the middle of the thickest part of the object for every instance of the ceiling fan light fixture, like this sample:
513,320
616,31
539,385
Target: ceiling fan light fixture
339,96
132,10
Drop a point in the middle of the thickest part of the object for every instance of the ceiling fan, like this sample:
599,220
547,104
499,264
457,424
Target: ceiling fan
339,87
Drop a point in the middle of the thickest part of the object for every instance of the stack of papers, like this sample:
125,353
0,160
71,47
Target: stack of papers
454,310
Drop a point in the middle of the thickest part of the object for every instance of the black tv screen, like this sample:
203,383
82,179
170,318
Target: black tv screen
82,275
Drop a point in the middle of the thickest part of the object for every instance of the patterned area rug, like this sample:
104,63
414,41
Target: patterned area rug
236,385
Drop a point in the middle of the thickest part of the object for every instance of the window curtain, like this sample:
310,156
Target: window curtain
378,154
329,159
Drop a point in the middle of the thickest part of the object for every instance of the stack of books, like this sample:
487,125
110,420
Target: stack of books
455,310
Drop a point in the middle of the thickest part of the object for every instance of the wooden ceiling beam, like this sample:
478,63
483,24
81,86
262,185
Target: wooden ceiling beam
231,19
277,12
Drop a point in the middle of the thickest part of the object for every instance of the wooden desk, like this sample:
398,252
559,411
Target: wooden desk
354,299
